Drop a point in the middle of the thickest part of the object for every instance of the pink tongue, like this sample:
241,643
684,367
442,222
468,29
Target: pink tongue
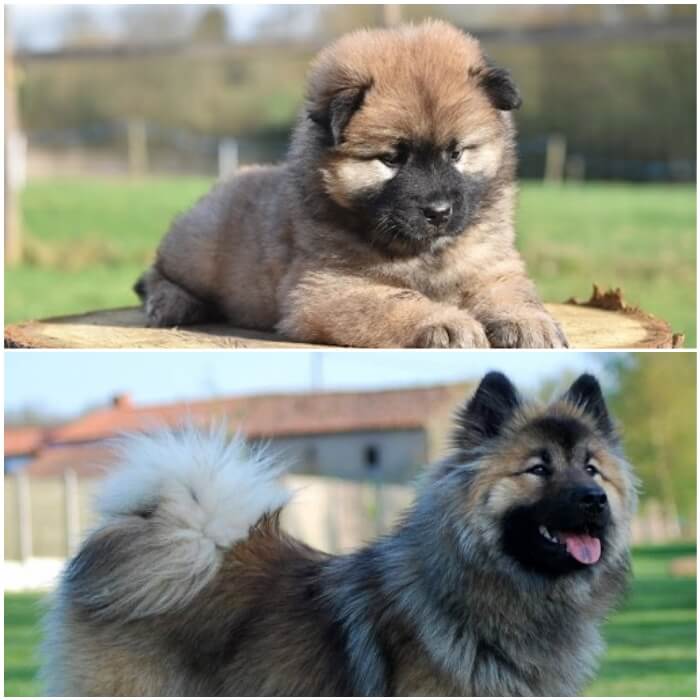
583,548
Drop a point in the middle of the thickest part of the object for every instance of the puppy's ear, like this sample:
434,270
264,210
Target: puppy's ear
500,88
485,414
585,393
333,113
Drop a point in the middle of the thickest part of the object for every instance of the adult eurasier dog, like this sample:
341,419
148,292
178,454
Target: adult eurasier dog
495,581
390,224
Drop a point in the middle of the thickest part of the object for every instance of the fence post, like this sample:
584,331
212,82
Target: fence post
71,510
137,149
379,506
228,157
24,516
391,14
555,158
13,230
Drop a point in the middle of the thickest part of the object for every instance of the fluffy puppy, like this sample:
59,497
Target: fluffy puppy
390,224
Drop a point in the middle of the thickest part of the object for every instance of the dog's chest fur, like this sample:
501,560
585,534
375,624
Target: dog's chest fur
528,665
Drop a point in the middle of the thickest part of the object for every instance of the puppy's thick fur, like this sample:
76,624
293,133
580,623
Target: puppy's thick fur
390,225
494,583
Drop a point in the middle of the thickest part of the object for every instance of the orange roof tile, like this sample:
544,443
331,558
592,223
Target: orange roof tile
272,415
23,440
85,460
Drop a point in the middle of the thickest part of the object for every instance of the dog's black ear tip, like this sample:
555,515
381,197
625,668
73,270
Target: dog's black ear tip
587,385
496,383
494,375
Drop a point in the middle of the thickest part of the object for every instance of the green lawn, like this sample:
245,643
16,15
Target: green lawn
89,239
651,641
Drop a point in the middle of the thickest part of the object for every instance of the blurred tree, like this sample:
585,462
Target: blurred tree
655,401
155,24
287,22
211,26
82,28
334,20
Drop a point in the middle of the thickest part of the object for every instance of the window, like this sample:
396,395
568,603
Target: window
372,457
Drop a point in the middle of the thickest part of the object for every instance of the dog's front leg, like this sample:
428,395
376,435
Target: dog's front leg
344,310
505,301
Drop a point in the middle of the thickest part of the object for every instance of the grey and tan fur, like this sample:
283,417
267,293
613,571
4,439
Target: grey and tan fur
340,244
189,586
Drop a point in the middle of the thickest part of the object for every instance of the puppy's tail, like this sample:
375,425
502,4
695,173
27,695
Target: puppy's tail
180,500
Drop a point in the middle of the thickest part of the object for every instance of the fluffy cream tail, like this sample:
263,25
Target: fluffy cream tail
179,500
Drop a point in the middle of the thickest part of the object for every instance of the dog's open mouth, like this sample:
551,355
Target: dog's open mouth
583,547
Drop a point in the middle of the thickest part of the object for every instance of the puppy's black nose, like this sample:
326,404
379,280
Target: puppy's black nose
591,499
438,212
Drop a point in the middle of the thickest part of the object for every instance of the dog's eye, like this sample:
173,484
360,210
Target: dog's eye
394,159
592,469
456,153
539,470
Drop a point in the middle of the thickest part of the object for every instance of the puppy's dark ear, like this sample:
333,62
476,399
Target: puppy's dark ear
334,113
485,414
500,88
585,392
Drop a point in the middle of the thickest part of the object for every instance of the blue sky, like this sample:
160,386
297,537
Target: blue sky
65,383
39,26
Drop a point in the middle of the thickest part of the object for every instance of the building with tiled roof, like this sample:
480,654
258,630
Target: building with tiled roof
377,434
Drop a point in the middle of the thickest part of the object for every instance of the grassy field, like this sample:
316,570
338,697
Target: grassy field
651,641
88,240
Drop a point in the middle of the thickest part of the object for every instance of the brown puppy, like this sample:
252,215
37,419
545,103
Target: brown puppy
390,225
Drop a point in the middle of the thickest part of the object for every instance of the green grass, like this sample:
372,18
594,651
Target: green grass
22,636
89,239
651,641
640,238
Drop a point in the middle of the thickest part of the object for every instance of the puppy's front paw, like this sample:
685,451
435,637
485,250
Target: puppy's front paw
459,332
167,305
537,330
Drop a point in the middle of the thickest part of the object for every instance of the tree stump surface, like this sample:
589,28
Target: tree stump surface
603,322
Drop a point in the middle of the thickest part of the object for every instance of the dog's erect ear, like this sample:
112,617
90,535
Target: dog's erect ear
585,392
486,412
500,88
334,114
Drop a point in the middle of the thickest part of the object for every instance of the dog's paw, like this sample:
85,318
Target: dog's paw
161,312
459,332
167,305
537,330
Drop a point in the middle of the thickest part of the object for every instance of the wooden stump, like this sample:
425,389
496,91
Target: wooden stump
604,322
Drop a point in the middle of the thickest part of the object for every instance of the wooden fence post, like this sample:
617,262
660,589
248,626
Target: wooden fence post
24,516
71,511
13,230
227,157
137,147
391,14
555,158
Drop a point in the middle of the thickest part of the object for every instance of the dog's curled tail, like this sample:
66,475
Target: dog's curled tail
178,502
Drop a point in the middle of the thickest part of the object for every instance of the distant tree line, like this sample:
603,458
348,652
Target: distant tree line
617,103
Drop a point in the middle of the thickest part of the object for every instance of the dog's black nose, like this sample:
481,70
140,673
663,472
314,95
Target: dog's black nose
591,499
438,212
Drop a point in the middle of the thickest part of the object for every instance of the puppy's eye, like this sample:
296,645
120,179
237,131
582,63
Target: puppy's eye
539,470
592,469
395,159
456,153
